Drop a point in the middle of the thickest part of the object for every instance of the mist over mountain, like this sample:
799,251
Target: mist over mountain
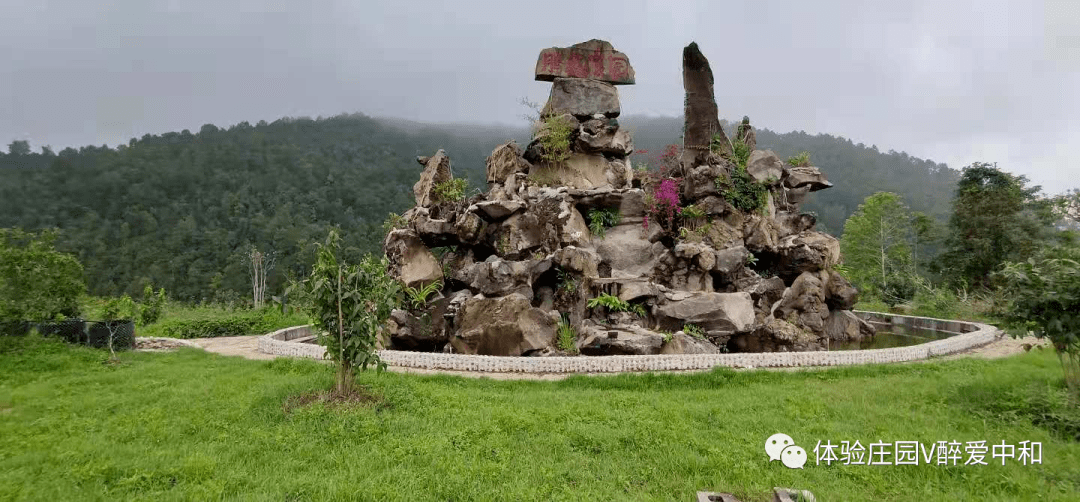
182,209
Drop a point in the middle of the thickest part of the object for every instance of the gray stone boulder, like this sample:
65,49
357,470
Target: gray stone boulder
436,171
839,293
505,161
599,136
807,252
803,303
601,340
495,210
503,326
764,166
720,312
777,335
681,343
627,253
500,277
411,261
582,98
809,177
845,326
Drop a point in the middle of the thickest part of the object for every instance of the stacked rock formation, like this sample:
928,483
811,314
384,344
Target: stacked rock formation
519,260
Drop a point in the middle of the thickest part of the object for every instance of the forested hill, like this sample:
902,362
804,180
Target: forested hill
181,210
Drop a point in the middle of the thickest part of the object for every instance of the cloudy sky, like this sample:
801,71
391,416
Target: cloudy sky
953,81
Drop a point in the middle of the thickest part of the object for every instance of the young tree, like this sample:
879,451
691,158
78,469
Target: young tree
996,218
1045,299
119,312
876,247
350,303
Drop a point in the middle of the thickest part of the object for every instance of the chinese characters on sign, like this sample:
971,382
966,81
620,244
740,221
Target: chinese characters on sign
605,65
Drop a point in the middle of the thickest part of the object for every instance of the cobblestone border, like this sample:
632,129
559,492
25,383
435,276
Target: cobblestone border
967,335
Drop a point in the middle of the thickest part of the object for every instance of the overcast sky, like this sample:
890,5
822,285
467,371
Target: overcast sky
952,81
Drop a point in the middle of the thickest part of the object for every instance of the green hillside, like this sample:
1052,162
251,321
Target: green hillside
181,210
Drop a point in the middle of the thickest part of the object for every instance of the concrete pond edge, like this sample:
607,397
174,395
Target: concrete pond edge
966,335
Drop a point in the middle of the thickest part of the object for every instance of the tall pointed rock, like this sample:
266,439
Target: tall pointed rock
701,115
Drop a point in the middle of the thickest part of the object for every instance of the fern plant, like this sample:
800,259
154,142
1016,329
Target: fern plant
418,297
615,304
602,219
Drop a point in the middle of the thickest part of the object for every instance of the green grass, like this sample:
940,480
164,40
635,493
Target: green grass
197,426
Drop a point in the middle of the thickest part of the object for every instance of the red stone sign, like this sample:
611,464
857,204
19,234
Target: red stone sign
595,59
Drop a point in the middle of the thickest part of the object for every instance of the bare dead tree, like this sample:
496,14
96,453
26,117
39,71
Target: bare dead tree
259,266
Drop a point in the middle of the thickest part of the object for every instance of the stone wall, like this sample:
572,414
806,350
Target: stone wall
972,335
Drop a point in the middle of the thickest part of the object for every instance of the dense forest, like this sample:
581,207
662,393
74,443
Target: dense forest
183,210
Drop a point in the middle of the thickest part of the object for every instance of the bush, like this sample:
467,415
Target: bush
800,160
37,283
242,323
555,139
743,192
452,190
567,337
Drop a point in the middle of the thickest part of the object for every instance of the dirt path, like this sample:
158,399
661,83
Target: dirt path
244,346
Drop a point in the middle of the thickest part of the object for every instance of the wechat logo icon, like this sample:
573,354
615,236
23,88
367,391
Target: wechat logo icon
781,447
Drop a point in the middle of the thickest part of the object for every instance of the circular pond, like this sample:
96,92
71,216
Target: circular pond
905,338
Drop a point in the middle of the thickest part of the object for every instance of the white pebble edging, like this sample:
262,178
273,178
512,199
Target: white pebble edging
971,335
176,341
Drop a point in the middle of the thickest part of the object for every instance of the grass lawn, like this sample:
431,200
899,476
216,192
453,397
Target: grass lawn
197,426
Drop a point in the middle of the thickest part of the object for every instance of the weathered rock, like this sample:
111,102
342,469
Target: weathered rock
764,166
504,326
505,161
761,233
573,230
609,140
777,335
430,228
582,98
764,292
580,260
746,134
436,171
807,252
701,115
631,290
495,210
839,293
595,59
725,312
467,227
811,177
794,223
681,343
410,260
804,303
500,277
730,262
600,340
426,331
700,181
630,202
845,326
628,255
586,171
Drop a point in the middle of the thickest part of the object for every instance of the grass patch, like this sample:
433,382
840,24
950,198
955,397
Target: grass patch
182,321
75,429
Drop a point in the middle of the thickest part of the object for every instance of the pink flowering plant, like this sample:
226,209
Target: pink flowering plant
662,190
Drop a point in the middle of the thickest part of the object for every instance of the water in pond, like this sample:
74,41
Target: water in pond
896,336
